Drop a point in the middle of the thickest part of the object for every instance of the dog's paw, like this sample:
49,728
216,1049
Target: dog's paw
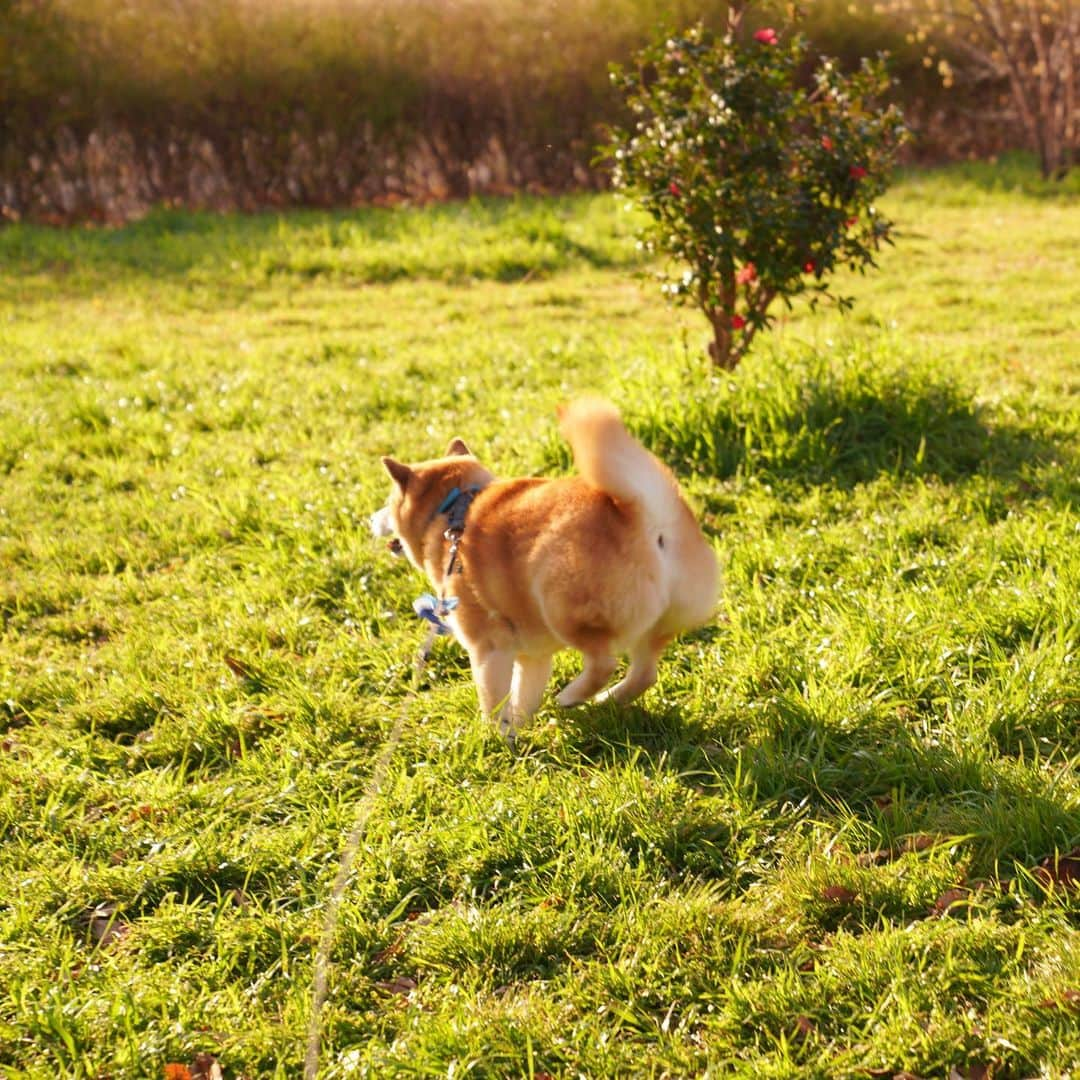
567,698
509,733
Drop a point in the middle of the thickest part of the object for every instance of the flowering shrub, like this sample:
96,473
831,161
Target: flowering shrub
758,186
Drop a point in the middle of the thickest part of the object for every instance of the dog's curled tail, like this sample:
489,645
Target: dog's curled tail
611,459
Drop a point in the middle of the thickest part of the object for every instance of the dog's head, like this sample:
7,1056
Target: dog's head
415,496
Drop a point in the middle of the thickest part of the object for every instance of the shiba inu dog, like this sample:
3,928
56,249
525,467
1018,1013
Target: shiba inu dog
607,562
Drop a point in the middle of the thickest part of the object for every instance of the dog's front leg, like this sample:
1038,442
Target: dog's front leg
493,671
531,674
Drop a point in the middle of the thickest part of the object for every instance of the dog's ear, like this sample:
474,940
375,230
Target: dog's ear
398,473
457,448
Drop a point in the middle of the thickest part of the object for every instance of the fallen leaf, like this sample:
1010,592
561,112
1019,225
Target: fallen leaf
1062,870
918,842
175,1071
906,1076
400,984
948,899
971,1072
804,1026
883,802
838,894
1070,999
390,951
238,667
104,926
206,1067
875,857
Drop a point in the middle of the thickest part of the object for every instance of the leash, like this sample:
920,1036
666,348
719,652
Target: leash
321,980
431,609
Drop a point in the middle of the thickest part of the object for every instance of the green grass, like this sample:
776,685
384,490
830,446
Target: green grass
203,651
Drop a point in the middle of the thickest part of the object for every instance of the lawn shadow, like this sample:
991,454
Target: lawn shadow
895,781
878,773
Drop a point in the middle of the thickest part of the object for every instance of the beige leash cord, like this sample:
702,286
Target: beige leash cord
320,984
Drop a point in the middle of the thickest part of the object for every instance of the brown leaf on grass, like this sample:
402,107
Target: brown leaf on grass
239,668
804,1026
1059,870
206,1067
970,1072
175,1071
909,845
875,857
104,926
918,842
838,894
390,951
399,984
948,899
1070,999
906,1076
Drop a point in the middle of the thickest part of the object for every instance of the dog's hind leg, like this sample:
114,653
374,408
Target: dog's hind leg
644,657
531,674
594,676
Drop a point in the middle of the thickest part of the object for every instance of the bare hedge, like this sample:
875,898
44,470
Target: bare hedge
110,106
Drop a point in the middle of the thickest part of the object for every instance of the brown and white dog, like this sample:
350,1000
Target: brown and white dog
607,562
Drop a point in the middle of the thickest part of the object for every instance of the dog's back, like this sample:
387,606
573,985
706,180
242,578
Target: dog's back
598,560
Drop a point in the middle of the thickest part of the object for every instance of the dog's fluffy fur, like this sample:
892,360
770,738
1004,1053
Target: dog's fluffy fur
610,561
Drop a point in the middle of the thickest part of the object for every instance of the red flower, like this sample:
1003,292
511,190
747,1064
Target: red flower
746,274
851,222
737,322
827,143
767,36
856,172
674,188
809,266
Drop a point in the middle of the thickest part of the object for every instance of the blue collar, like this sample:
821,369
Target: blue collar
456,505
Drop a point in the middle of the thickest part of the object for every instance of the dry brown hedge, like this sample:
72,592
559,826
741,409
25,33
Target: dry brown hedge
110,106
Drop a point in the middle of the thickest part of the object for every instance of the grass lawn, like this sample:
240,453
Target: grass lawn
824,843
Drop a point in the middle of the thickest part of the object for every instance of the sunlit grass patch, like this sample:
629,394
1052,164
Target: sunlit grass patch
823,844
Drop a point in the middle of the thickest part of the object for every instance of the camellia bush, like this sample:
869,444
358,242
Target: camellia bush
759,178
